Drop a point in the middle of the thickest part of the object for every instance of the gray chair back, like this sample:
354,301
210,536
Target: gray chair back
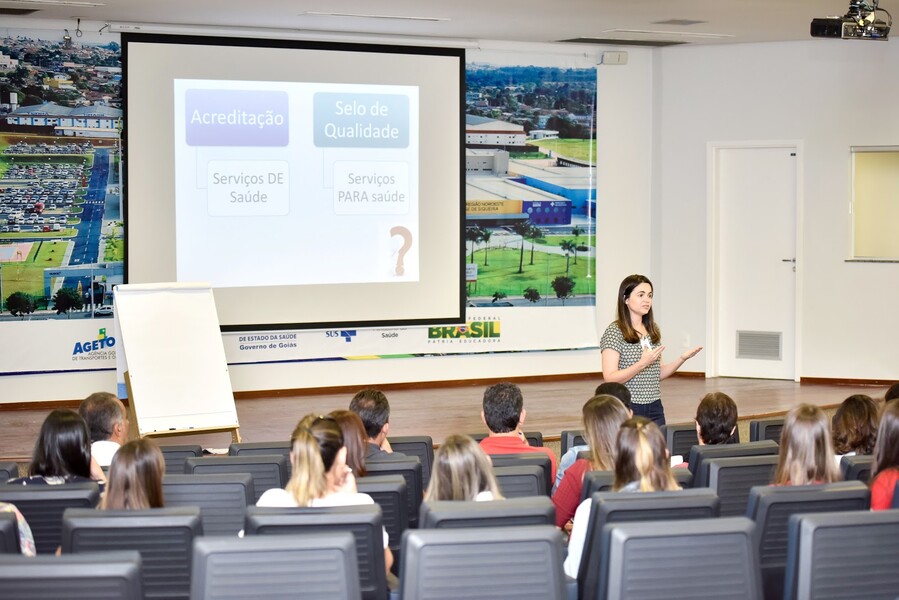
857,468
571,438
521,481
270,567
268,470
389,492
176,454
526,458
9,533
524,563
223,498
680,437
842,555
700,454
410,469
8,470
163,536
96,576
732,478
765,429
43,507
421,446
511,512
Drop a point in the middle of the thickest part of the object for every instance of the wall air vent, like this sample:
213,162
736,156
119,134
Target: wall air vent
761,345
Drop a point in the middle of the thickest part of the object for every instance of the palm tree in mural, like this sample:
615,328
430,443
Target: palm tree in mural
523,229
485,237
568,247
534,234
577,232
473,235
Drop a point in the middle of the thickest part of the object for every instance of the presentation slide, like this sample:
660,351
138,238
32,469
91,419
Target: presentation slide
267,169
312,185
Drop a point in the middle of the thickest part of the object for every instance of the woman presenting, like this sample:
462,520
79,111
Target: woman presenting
632,350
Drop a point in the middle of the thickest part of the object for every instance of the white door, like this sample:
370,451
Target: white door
756,195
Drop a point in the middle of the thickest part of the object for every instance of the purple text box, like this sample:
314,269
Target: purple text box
236,118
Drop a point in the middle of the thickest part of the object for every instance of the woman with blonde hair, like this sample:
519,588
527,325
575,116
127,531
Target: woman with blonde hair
462,471
603,416
135,477
641,465
320,475
806,451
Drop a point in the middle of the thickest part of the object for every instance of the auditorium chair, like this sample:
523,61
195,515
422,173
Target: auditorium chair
534,438
176,454
362,521
570,438
96,576
163,536
857,468
527,458
421,446
389,492
268,470
732,478
511,512
699,454
771,506
8,470
680,437
602,481
222,498
410,469
842,555
43,507
765,429
519,481
9,533
614,507
705,558
524,563
273,567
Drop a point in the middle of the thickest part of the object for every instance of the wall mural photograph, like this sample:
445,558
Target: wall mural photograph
61,229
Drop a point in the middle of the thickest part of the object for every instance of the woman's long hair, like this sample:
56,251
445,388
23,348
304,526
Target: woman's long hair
135,477
886,451
63,446
603,416
624,316
354,439
806,452
643,457
314,445
461,471
855,425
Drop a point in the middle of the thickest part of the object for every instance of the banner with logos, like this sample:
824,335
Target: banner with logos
530,216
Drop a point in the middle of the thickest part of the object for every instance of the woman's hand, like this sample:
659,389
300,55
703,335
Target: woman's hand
650,356
690,353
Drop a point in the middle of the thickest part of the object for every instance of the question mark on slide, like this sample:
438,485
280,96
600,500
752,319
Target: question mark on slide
407,243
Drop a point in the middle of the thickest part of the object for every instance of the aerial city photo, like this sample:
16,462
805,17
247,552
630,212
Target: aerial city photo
530,185
61,229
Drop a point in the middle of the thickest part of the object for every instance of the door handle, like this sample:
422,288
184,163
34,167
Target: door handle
789,260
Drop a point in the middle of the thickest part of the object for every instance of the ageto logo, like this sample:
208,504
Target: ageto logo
101,343
474,329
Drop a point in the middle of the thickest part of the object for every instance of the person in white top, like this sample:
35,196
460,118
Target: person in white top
462,471
320,475
107,421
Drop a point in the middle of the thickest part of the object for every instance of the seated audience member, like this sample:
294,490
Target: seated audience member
642,465
603,416
854,426
503,413
62,452
608,388
885,471
716,420
374,410
354,439
462,471
892,393
806,451
320,475
135,477
107,421
26,539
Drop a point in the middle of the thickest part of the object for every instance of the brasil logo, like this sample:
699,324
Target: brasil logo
475,329
101,343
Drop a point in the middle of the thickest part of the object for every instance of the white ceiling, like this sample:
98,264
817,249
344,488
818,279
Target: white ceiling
523,20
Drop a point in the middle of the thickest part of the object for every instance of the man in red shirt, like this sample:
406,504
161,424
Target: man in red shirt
504,416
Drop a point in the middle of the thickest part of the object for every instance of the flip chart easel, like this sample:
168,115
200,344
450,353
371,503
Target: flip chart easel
173,360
